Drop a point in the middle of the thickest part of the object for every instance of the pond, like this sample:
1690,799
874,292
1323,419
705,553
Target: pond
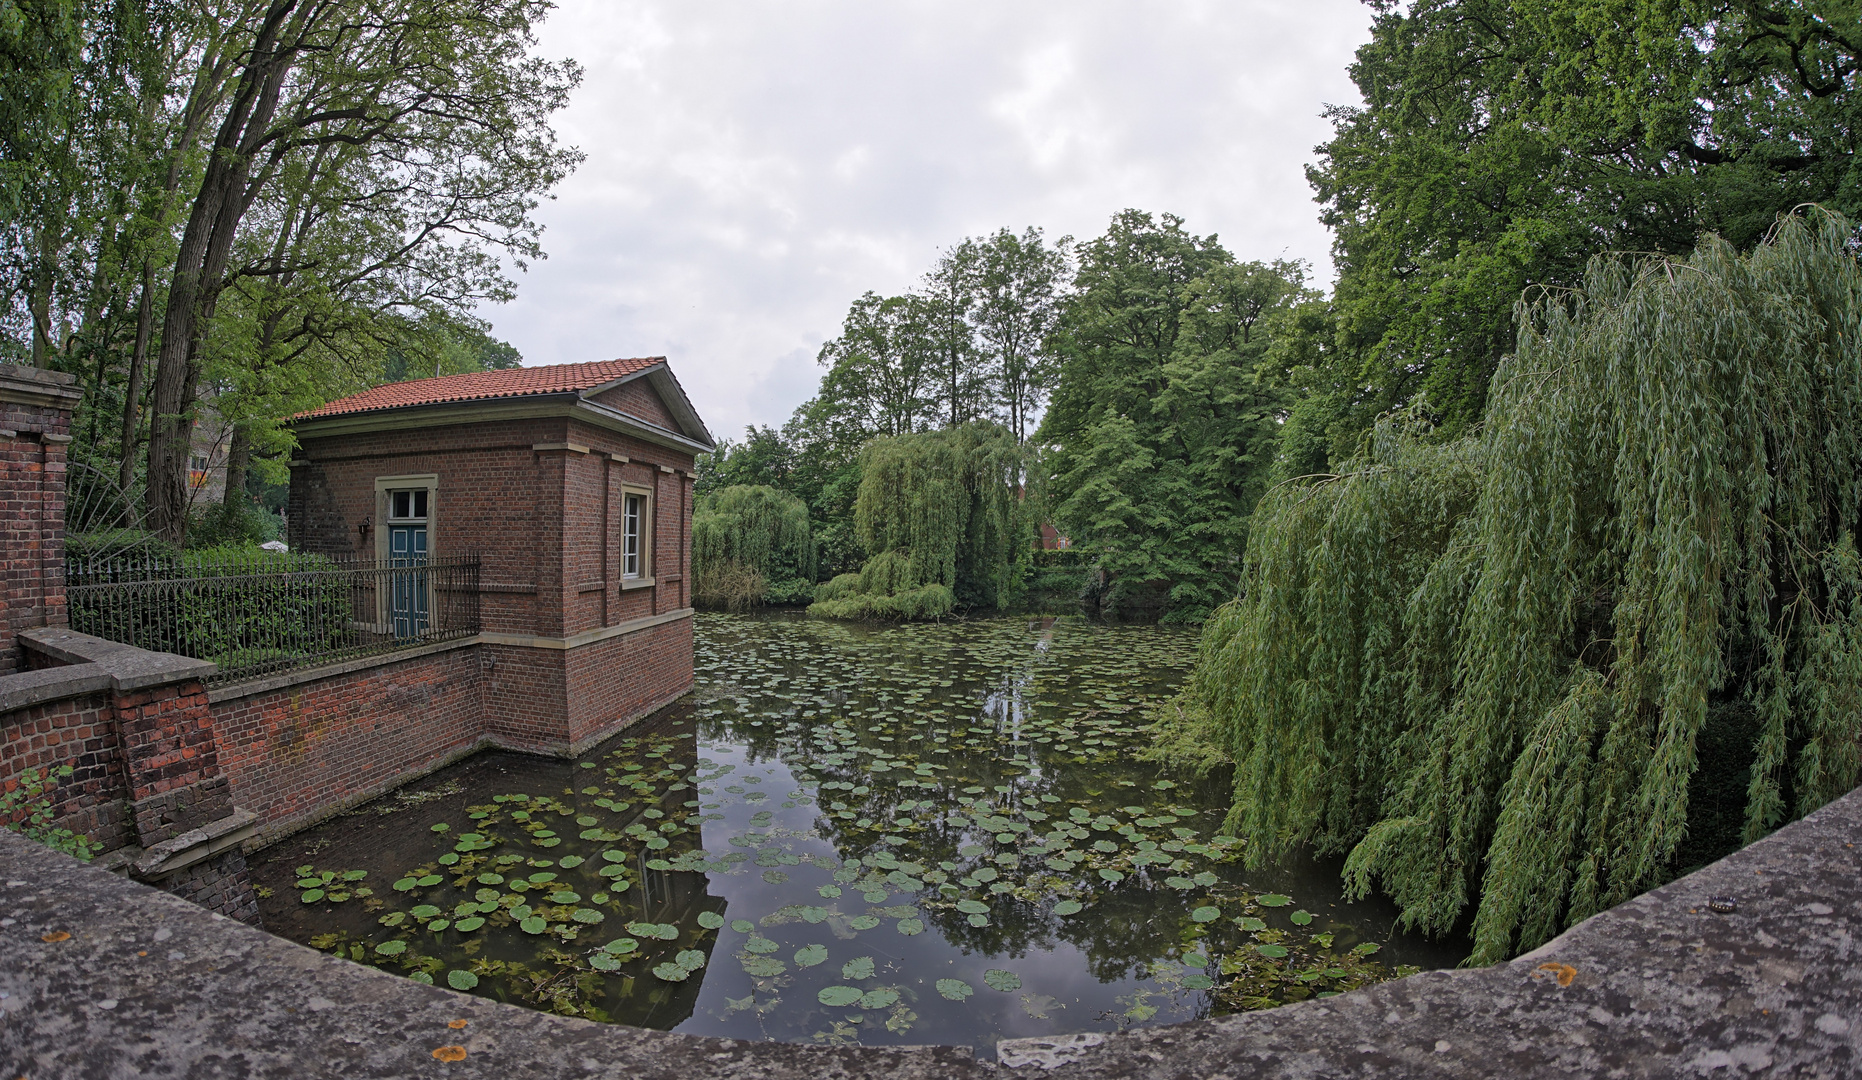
927,833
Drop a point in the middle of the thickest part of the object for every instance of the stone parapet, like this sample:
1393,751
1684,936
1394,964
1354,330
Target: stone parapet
107,979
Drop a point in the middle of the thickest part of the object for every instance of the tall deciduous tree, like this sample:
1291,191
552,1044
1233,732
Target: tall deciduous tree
882,373
1164,421
1503,142
438,106
1019,283
949,302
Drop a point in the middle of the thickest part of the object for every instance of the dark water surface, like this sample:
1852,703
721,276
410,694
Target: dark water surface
931,833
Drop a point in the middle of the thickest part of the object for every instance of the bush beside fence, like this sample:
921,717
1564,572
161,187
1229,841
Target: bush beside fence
257,612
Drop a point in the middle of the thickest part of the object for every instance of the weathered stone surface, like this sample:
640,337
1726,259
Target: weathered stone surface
130,668
148,985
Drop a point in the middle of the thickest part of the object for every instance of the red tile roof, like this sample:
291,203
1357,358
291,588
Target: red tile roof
483,385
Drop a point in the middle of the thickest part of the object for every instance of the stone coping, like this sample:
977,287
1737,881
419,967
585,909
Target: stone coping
38,386
24,689
265,684
129,668
150,985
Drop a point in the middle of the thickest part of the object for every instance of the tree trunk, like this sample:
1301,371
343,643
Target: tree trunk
132,400
238,457
199,275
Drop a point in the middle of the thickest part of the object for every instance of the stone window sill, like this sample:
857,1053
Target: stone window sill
636,583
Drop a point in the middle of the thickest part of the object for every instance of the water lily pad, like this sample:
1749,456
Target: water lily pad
690,959
1197,982
742,926
1068,907
587,916
533,925
441,827
911,927
671,973
460,979
863,922
1273,899
760,945
810,955
710,920
763,967
565,896
428,880
858,969
1003,980
311,896
977,920
1300,918
1112,876
972,907
1251,924
570,862
425,911
835,997
882,998
620,946
1272,952
954,989
466,926
831,892
1206,914
601,961
391,948
404,884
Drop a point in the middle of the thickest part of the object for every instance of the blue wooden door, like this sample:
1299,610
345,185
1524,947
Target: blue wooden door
407,607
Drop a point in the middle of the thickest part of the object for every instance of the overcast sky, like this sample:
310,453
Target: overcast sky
753,167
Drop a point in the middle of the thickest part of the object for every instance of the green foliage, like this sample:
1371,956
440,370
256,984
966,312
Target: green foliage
749,542
1165,418
939,518
236,605
1484,666
26,808
1185,735
1501,143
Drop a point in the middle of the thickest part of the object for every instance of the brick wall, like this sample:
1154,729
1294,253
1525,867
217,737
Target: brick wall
636,398
35,425
299,753
79,732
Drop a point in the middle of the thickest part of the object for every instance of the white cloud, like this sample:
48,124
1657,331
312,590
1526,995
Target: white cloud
753,166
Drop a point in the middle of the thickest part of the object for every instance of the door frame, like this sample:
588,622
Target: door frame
384,618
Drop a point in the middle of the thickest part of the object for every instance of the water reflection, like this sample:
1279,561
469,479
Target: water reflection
885,835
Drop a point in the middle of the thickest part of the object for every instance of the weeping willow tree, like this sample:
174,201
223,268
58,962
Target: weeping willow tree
941,523
1486,668
751,545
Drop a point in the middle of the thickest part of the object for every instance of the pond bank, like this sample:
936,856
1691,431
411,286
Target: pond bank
108,978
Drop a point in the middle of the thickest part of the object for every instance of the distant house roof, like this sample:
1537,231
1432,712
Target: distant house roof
581,380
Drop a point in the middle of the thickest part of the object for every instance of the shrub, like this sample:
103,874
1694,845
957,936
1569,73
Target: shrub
743,539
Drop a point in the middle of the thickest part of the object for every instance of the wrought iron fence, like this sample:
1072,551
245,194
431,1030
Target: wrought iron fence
263,613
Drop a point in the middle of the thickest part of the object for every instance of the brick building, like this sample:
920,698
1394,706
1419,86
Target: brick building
573,485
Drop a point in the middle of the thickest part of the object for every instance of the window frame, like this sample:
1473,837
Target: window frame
643,572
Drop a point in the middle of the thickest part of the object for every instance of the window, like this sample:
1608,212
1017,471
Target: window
633,530
407,505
